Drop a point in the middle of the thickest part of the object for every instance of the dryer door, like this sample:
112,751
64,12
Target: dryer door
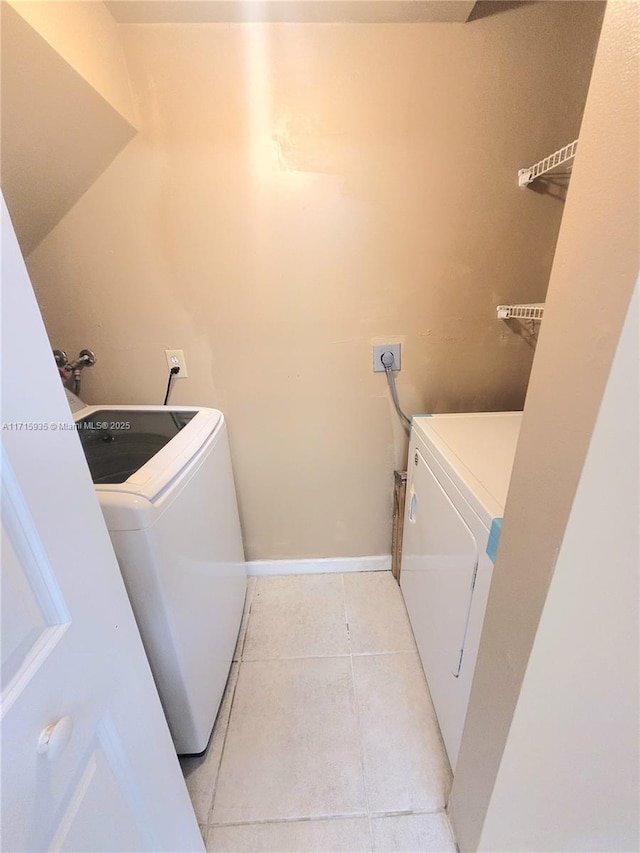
439,565
440,559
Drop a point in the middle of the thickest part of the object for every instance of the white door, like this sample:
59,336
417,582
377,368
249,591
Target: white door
87,759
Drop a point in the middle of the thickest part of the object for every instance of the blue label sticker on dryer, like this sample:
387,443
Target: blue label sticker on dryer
494,538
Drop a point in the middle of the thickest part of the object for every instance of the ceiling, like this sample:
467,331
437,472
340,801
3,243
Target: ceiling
304,11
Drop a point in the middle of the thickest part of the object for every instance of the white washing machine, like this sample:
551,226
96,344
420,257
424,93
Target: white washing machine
458,475
165,485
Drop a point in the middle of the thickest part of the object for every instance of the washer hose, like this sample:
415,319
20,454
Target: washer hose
387,360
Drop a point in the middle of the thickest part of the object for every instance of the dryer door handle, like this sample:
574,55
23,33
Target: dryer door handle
413,506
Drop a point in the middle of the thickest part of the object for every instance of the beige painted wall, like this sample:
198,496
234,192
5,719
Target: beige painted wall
596,265
296,193
572,753
85,34
66,108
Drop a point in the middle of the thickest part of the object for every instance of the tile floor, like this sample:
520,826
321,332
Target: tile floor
326,739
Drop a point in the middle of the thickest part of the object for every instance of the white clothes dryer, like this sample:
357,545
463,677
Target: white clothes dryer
458,475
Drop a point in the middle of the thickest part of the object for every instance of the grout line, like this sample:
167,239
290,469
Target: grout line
251,591
324,817
224,744
232,699
297,657
406,812
327,656
304,819
381,654
358,719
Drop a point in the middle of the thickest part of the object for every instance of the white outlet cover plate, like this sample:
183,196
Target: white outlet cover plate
175,358
379,349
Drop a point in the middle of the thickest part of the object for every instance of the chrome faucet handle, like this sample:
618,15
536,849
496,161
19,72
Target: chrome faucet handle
60,357
86,358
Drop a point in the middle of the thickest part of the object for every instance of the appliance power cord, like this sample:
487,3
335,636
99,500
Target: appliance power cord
173,372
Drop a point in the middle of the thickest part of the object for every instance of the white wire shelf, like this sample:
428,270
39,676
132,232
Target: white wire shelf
558,158
533,311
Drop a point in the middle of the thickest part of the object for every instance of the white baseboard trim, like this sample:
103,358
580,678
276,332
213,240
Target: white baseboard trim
320,566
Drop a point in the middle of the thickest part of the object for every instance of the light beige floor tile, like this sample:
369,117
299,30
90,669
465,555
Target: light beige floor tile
413,833
292,747
297,616
200,771
406,768
251,585
378,620
350,835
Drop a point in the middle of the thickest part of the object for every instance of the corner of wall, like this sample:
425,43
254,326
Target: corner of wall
594,270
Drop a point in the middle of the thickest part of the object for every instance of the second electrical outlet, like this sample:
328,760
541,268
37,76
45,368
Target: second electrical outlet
175,358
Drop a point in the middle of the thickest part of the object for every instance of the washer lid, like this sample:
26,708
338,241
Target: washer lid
161,440
477,450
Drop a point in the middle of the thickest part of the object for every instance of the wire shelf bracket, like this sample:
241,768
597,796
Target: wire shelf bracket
533,311
558,158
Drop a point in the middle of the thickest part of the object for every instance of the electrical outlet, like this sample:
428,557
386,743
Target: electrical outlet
175,358
378,352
